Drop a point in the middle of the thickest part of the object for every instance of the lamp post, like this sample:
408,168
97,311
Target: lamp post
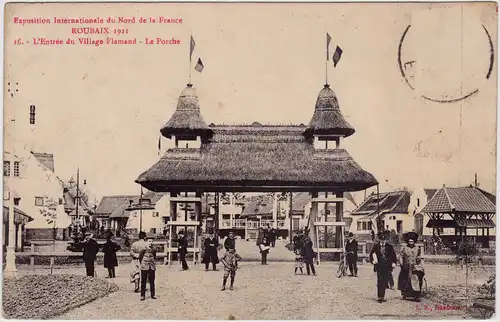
10,261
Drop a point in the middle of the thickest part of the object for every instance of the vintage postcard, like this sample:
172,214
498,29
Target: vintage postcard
249,161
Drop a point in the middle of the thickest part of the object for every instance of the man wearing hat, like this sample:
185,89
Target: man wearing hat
384,259
147,260
409,280
135,251
182,246
351,249
90,250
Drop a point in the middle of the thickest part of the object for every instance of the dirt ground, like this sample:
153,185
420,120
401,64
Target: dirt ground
266,292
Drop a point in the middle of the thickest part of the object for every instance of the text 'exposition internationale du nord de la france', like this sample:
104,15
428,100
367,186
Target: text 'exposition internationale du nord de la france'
97,31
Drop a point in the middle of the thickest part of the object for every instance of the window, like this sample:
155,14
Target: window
16,168
32,114
6,168
418,202
39,201
364,225
16,201
295,223
399,226
152,231
61,201
156,214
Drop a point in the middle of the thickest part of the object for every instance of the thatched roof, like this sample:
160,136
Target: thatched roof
463,199
110,204
327,118
257,158
187,118
384,203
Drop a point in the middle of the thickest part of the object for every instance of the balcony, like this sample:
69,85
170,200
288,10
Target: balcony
237,223
242,224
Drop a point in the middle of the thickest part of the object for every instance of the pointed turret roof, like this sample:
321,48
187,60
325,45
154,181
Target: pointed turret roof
327,118
187,118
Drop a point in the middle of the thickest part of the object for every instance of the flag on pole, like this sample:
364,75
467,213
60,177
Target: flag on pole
350,197
191,47
336,56
159,144
328,40
199,66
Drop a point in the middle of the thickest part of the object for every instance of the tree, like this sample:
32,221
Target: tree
49,212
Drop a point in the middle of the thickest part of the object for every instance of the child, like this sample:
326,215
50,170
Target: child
299,261
264,250
230,261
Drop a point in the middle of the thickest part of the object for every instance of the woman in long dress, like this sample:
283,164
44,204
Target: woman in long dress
110,260
411,275
211,249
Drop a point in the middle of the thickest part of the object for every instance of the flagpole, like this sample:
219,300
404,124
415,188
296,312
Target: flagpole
326,72
190,54
326,61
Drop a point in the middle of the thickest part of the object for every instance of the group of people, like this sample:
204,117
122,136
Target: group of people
90,250
229,260
382,256
384,260
304,253
266,239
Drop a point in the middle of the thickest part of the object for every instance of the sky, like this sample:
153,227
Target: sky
101,108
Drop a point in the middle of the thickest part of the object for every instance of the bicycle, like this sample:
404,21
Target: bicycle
342,270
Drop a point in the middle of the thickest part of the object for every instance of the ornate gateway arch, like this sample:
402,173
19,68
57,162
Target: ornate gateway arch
257,158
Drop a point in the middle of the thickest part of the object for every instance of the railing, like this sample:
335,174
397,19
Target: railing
265,224
52,255
236,223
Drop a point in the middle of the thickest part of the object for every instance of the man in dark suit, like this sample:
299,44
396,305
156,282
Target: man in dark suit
351,249
90,250
384,259
147,260
182,245
272,237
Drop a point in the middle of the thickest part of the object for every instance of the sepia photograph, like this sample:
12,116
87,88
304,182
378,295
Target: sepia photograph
249,161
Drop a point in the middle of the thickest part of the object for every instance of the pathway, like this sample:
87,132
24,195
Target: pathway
263,292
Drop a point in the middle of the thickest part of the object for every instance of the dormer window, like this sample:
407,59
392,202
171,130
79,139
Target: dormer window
327,142
16,168
32,114
6,168
188,142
